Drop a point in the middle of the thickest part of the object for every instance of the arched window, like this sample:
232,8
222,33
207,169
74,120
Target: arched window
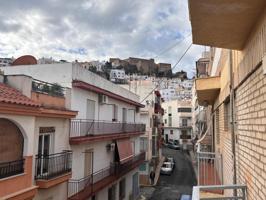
11,141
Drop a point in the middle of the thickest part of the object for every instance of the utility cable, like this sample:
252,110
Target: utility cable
171,69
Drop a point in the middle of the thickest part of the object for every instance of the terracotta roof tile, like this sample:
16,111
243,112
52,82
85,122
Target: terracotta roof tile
11,95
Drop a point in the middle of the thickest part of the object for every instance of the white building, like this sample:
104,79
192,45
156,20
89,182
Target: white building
118,76
177,121
151,115
6,62
104,137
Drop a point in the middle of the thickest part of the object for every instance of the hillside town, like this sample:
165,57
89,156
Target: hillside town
135,127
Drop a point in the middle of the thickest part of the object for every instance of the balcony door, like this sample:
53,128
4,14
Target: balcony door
44,149
88,162
90,114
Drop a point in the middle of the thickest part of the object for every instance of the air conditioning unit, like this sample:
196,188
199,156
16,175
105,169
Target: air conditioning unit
103,99
110,147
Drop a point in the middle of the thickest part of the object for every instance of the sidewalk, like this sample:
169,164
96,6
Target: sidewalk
193,158
147,190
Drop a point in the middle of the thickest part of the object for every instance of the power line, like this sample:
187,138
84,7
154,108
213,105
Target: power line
171,69
172,46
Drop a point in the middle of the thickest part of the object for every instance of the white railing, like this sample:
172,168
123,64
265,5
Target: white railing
240,192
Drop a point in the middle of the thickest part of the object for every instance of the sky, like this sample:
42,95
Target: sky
86,30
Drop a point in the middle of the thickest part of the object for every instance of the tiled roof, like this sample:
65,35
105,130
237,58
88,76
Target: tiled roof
13,96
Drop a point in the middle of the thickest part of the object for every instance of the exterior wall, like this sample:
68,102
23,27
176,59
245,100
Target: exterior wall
249,113
102,111
51,73
174,136
58,192
22,181
26,125
60,139
103,194
101,158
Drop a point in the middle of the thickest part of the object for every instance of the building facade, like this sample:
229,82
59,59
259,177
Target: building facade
236,88
177,122
104,137
37,121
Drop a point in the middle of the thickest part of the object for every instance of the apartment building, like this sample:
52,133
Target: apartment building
6,61
151,115
35,158
104,136
177,121
235,89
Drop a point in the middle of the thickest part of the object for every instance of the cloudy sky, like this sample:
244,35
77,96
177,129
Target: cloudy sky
98,30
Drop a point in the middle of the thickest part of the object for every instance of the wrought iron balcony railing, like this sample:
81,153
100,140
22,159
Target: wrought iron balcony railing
48,88
85,187
86,127
11,168
53,165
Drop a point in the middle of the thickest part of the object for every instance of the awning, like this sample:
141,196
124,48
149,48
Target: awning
124,150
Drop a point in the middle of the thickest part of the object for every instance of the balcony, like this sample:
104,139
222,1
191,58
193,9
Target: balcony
86,187
53,169
85,130
210,178
207,90
200,192
47,94
11,168
185,125
225,24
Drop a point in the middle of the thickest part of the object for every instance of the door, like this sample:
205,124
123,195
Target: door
135,189
124,115
88,166
166,138
44,148
90,114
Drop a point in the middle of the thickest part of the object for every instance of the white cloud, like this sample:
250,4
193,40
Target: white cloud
104,28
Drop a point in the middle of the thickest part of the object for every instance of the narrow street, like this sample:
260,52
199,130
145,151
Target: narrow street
179,182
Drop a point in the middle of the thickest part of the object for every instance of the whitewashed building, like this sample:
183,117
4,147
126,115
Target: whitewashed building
104,137
177,121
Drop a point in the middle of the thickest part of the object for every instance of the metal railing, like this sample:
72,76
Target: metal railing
11,168
241,192
48,88
85,127
50,166
209,168
85,186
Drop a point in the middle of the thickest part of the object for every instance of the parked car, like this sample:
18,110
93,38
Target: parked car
167,168
171,160
173,145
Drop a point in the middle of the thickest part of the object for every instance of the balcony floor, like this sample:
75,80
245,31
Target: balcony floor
209,176
102,137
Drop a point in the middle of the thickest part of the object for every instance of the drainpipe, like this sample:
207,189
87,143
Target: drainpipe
232,117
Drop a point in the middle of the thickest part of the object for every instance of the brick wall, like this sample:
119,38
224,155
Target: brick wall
251,127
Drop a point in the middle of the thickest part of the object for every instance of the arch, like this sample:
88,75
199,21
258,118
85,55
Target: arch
11,141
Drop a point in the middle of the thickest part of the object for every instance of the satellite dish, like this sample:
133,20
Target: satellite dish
25,60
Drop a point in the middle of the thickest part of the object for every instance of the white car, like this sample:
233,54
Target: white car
167,168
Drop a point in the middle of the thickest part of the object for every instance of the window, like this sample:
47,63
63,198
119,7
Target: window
111,193
217,126
169,109
184,110
171,132
165,121
115,113
122,189
169,120
226,116
184,122
143,144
